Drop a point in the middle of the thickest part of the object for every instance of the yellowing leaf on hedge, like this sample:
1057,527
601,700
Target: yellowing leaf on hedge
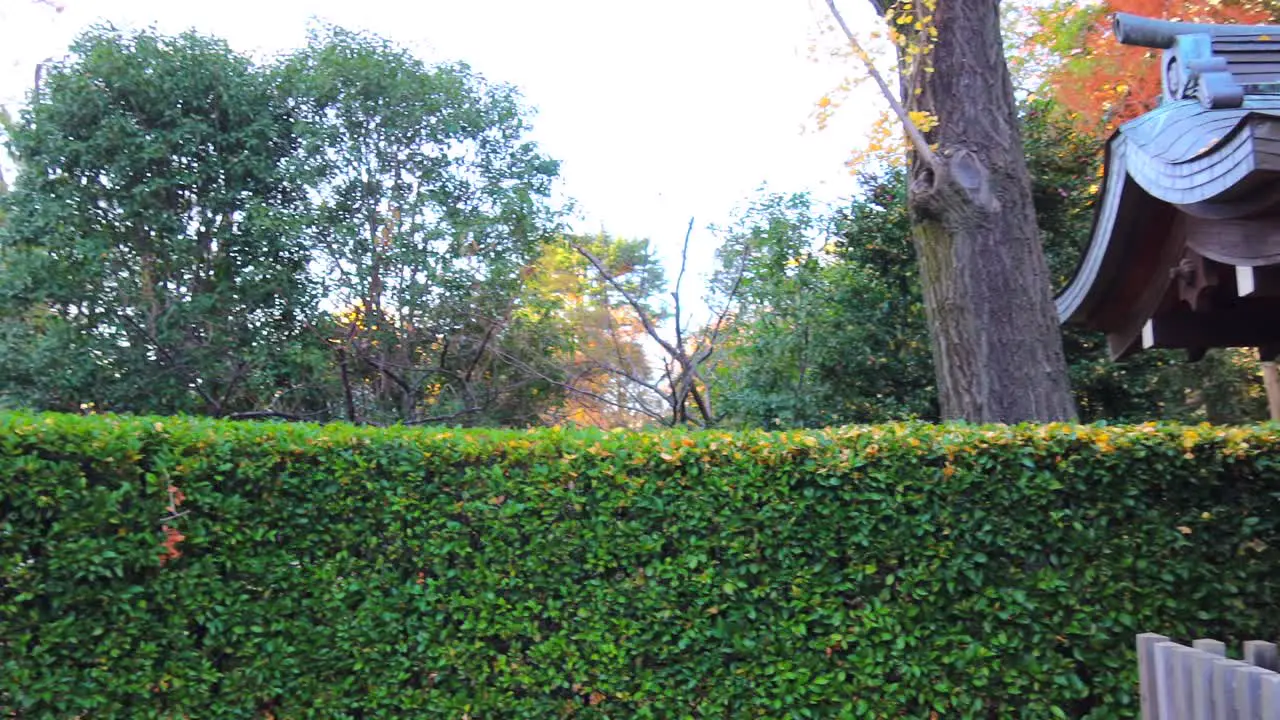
1184,529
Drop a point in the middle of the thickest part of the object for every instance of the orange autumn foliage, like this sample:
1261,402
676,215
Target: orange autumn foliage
172,537
170,545
1100,82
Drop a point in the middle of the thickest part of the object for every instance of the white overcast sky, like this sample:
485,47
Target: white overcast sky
658,110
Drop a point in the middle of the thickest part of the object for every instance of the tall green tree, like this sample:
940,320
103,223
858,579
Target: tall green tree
429,204
151,259
830,326
345,234
5,122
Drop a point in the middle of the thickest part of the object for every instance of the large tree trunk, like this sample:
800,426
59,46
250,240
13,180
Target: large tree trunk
1271,381
996,343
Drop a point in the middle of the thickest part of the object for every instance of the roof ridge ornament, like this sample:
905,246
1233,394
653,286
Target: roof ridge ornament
1204,61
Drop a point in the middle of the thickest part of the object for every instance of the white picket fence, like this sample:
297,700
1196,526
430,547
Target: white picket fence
1201,683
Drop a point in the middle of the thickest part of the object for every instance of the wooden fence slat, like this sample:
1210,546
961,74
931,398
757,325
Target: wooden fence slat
1202,686
1270,697
1147,674
1162,654
1249,692
1224,688
1213,647
1184,684
1201,683
1260,653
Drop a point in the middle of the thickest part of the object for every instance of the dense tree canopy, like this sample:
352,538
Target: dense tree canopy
152,250
430,205
830,328
342,235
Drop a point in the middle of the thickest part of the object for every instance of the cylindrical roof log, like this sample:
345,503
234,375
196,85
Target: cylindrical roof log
1152,33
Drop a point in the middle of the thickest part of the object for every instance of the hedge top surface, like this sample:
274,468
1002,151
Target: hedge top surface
670,446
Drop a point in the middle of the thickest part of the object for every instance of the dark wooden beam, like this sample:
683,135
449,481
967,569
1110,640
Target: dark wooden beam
1235,241
1246,324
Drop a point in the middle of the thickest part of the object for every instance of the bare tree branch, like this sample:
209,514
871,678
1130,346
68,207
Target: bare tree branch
484,343
918,142
385,369
681,367
574,388
173,363
730,299
675,293
703,406
632,375
643,314
343,372
237,376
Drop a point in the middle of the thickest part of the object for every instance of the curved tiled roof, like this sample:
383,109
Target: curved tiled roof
1212,163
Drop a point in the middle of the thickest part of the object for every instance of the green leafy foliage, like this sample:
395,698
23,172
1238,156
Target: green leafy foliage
886,571
343,234
431,203
830,327
151,255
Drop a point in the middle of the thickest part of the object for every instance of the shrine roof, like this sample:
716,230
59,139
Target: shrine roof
1214,164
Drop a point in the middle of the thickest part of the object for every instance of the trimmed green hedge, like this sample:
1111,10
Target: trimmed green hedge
893,571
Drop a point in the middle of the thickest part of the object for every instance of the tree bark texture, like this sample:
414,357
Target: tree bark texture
997,347
1271,381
